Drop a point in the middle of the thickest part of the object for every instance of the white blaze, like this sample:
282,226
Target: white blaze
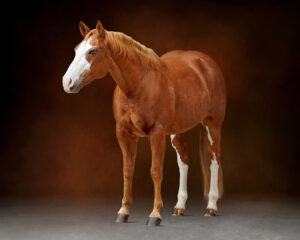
78,66
183,173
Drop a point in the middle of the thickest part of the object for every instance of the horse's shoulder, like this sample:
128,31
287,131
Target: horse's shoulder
120,102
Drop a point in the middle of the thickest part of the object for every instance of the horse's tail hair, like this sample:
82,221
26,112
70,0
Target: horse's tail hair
205,165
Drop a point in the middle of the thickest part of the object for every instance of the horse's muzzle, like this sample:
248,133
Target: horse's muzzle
72,87
75,88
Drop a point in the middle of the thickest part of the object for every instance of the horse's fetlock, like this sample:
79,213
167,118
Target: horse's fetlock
182,196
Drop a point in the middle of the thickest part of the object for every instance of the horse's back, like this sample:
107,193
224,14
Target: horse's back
199,63
198,84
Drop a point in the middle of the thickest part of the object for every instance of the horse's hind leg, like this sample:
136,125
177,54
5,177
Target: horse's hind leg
179,143
211,165
128,144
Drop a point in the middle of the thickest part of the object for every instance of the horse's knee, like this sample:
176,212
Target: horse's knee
156,174
128,174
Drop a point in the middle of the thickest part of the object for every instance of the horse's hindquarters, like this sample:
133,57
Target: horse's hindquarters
198,88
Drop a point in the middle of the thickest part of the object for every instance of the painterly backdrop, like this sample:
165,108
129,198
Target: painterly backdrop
55,143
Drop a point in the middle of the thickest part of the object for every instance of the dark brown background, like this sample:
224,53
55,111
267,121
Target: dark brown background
55,143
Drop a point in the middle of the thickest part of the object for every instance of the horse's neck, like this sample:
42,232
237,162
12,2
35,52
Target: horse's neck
125,74
128,65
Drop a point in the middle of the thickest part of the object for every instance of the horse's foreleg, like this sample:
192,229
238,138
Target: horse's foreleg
214,184
128,144
157,142
179,143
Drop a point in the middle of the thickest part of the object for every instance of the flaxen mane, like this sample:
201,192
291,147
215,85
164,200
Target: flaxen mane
129,48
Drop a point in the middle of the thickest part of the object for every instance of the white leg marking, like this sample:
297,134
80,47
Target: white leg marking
183,173
122,211
213,194
211,141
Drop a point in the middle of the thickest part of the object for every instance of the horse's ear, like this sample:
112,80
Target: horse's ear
84,29
100,29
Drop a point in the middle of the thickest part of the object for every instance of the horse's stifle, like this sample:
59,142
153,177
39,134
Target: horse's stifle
154,97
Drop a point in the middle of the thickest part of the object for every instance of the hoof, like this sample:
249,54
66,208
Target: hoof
153,221
178,212
122,218
210,212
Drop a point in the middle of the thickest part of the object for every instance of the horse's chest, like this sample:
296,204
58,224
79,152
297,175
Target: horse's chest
139,120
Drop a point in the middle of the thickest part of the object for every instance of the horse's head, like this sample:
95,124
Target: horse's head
89,62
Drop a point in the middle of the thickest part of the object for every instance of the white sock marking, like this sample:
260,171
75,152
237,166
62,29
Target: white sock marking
183,173
211,141
122,211
213,194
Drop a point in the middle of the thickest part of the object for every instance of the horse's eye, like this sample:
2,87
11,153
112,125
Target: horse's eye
93,52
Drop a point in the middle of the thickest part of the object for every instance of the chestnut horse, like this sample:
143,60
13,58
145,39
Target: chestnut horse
154,97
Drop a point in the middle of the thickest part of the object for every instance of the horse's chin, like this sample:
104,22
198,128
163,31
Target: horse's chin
72,91
86,82
89,79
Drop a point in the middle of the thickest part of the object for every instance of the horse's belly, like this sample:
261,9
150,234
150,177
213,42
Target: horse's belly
192,102
189,111
190,79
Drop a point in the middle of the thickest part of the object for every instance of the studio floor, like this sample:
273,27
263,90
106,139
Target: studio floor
76,218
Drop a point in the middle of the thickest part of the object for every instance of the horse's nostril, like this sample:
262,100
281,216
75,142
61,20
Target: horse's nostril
70,82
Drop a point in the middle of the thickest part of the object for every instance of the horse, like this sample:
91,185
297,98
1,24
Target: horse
154,97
